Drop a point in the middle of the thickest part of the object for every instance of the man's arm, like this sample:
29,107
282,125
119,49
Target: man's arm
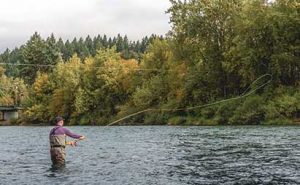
72,135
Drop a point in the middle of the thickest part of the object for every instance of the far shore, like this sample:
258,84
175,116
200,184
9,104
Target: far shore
6,124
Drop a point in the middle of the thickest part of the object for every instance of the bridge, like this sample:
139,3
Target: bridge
9,112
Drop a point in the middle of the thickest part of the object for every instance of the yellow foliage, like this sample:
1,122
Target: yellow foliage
2,71
12,91
68,74
6,100
129,65
57,103
41,84
89,64
129,68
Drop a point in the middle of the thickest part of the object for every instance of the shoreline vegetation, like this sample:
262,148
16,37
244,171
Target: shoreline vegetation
266,123
214,51
279,124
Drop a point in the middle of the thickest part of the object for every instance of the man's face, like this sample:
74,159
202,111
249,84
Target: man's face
61,123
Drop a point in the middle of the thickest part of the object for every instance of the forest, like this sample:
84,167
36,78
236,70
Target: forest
215,51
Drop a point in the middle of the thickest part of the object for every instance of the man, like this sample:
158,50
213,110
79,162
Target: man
58,142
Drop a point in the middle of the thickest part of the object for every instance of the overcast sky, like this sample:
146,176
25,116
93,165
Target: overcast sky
19,19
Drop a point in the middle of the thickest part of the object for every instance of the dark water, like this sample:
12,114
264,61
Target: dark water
155,155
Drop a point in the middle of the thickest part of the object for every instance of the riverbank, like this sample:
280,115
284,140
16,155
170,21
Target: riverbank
292,122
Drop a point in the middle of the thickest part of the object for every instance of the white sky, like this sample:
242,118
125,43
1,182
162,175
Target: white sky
19,19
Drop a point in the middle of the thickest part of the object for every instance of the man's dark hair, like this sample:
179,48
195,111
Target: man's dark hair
58,119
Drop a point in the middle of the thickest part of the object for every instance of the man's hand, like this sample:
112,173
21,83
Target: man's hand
72,143
82,138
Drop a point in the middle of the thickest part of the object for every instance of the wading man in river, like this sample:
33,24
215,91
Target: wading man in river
58,142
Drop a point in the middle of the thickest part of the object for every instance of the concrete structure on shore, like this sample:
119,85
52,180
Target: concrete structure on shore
8,113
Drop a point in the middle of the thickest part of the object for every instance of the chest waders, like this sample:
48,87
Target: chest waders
57,150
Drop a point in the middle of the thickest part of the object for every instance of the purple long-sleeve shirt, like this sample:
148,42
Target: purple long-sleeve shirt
59,130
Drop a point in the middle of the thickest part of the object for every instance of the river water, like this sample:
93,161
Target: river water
155,155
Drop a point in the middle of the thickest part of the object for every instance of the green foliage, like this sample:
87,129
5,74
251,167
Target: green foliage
278,121
199,121
83,92
49,51
283,106
250,112
37,54
213,52
225,112
156,118
177,120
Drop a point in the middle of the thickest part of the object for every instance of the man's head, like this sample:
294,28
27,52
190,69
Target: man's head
59,121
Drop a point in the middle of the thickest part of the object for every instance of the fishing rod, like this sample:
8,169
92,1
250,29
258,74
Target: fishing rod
243,95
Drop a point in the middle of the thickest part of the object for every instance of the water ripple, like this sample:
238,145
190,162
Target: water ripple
155,155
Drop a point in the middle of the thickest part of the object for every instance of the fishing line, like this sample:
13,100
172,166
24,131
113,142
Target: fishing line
243,95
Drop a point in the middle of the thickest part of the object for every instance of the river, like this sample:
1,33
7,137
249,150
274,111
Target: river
155,155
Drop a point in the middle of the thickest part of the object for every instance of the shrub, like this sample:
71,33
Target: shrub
278,121
156,118
283,107
250,112
225,111
178,120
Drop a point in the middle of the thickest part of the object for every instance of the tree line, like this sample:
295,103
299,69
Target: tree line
214,51
39,52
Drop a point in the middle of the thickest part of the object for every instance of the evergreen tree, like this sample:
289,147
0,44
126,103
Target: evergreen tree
35,57
53,51
104,42
90,46
81,49
97,44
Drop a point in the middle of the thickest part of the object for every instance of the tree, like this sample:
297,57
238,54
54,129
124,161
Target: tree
35,57
12,90
81,49
53,52
66,78
70,50
90,46
203,33
153,88
97,44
